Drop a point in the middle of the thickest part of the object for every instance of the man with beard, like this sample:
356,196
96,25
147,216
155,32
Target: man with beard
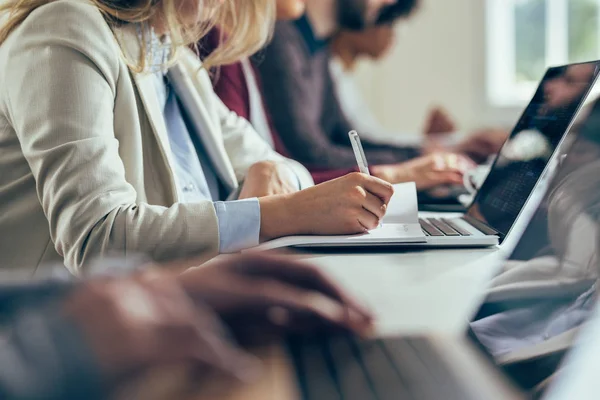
299,90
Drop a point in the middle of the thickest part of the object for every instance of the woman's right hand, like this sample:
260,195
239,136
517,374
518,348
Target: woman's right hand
354,203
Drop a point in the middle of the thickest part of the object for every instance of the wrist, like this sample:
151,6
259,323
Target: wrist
277,217
406,174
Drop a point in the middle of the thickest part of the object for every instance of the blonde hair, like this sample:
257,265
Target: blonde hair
246,25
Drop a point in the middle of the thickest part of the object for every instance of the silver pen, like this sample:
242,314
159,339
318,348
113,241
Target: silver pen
359,152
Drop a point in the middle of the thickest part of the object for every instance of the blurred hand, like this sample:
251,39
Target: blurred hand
147,322
439,122
268,178
483,144
351,204
257,295
427,171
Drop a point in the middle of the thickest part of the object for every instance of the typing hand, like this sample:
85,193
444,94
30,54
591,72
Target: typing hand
149,322
351,204
428,171
256,295
268,178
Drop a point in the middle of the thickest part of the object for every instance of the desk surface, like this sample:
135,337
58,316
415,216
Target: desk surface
410,292
432,291
424,292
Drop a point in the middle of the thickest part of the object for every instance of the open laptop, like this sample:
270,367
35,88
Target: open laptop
521,163
427,368
534,143
436,368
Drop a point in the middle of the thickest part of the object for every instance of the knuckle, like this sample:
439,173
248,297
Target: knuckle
373,223
357,194
355,214
356,178
360,191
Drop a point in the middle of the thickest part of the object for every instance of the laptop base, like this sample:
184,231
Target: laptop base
347,368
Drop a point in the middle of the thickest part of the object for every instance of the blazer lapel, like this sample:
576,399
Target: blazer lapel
206,127
146,89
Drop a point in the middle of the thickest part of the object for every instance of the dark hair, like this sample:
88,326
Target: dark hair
401,8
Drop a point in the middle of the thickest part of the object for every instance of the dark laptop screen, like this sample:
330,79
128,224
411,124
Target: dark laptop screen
531,145
574,193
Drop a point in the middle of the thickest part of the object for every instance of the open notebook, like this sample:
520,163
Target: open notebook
399,226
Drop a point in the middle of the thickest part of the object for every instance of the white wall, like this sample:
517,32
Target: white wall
439,59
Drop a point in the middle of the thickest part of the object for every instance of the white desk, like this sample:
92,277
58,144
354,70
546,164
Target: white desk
432,291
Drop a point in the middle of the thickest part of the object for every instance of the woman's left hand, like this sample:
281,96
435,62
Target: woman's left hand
268,178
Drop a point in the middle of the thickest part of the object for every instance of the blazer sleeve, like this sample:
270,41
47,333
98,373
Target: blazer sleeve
60,86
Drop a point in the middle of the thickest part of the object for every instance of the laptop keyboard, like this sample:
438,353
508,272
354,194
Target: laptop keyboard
442,227
346,368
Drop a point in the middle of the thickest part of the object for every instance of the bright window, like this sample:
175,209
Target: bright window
524,37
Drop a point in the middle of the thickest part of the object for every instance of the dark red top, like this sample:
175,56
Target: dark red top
230,85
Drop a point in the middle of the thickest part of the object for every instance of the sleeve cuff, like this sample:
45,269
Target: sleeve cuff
239,224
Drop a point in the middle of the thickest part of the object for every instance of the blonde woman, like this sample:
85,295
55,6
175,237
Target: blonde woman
113,141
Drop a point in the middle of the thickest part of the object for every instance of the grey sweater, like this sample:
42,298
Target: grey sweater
298,90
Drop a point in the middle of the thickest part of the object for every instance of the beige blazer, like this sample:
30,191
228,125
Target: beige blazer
85,163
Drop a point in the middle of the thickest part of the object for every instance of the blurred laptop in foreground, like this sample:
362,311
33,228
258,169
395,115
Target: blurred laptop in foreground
537,336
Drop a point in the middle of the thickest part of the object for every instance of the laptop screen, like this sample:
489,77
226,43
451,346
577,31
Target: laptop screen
526,153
